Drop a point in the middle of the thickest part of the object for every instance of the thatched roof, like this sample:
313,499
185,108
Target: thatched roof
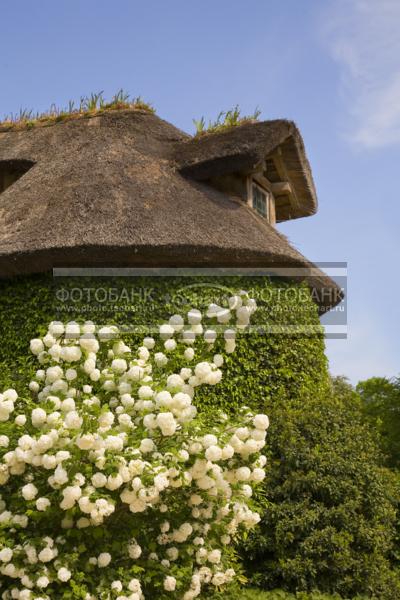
119,189
242,149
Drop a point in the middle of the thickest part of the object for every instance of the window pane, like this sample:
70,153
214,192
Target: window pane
259,201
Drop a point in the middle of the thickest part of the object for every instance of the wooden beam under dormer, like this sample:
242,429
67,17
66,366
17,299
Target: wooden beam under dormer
281,168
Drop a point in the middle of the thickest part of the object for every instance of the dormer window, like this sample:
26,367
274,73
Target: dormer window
260,200
11,171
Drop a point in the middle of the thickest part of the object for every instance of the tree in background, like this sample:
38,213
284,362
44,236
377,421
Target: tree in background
330,506
381,405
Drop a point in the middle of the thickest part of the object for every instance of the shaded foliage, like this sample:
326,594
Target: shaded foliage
381,405
278,594
330,507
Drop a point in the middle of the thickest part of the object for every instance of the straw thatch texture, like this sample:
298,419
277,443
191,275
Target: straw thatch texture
109,191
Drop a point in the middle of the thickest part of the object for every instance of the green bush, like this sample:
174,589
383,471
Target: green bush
328,506
329,520
381,405
278,594
126,482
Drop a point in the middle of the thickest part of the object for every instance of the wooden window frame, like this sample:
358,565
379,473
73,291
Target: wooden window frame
265,198
265,187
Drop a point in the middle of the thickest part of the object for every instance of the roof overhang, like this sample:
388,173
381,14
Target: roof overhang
273,148
110,191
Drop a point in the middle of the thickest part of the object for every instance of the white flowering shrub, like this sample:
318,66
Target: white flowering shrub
112,486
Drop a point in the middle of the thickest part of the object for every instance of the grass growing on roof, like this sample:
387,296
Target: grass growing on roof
225,120
90,105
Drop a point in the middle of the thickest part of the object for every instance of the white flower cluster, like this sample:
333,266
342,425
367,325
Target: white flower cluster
107,468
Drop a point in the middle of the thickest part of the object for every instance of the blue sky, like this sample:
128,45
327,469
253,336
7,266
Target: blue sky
333,67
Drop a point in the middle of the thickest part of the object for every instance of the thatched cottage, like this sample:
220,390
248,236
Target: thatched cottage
125,188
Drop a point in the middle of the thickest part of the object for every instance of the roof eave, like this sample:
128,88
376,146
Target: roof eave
243,149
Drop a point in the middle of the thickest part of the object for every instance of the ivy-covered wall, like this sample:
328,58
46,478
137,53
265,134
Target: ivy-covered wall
328,510
282,357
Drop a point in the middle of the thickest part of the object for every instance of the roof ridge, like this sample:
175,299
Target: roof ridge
50,121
